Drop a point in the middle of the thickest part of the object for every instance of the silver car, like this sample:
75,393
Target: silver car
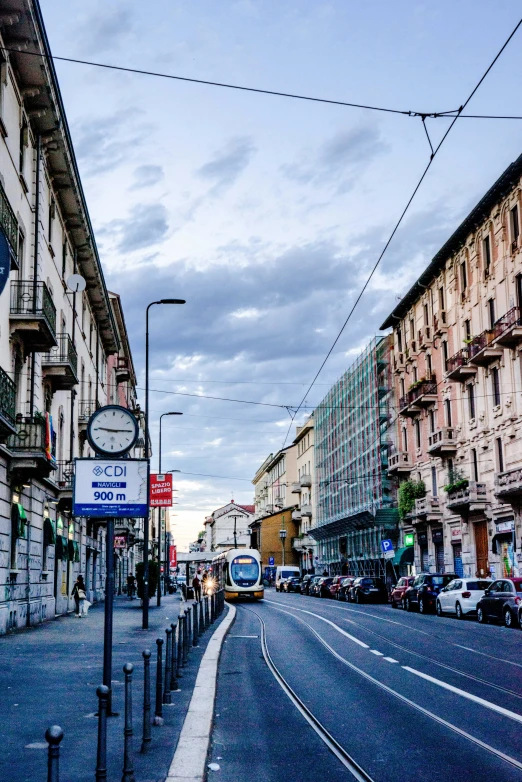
460,596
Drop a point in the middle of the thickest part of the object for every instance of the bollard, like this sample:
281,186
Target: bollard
158,714
207,616
103,693
185,637
147,738
189,628
53,736
180,645
212,608
201,617
195,624
167,698
128,766
174,661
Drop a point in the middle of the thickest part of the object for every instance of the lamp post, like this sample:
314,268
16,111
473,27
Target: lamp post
158,598
282,535
145,616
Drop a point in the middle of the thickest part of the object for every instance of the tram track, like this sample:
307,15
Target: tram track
427,657
426,712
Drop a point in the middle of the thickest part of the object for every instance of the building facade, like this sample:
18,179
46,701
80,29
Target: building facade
304,493
457,437
354,496
228,527
275,549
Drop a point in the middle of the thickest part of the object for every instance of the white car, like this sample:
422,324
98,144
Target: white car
461,596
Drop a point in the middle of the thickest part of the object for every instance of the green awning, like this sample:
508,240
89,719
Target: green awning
403,556
76,551
18,519
62,548
70,550
49,537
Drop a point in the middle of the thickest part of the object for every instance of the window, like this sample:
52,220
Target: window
447,407
24,139
426,315
404,439
486,255
412,329
21,247
431,416
417,434
415,374
495,386
403,390
515,227
445,355
434,481
467,329
52,214
491,311
399,340
463,277
429,369
471,401
474,464
64,260
500,455
441,299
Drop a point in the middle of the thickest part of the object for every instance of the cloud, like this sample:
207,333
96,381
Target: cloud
146,226
104,29
227,164
104,143
147,175
339,160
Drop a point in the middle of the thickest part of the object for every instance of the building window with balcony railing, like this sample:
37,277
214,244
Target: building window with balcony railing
495,386
514,226
474,464
470,389
500,454
486,255
447,409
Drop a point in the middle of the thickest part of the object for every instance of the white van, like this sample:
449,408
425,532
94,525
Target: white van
285,571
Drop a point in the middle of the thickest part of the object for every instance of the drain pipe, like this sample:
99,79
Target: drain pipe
35,261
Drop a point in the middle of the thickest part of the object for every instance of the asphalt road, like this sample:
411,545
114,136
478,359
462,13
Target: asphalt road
406,697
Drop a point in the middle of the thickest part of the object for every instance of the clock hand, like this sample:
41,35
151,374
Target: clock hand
105,429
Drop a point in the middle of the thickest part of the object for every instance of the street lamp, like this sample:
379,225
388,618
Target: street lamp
159,459
145,616
282,535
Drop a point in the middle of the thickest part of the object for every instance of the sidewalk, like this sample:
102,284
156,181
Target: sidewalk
49,675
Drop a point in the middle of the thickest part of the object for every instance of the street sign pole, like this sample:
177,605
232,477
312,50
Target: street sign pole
109,603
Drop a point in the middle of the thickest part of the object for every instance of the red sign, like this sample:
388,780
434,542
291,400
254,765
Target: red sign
120,541
173,558
160,490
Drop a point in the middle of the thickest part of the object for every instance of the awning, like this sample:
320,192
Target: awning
18,519
62,549
76,551
48,533
70,550
503,537
403,556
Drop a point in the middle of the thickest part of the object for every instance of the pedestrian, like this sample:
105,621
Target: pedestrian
196,585
131,582
80,595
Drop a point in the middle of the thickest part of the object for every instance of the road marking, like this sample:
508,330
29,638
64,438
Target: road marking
323,619
390,660
243,636
374,651
491,657
499,709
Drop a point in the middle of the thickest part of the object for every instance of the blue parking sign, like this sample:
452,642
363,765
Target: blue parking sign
270,560
386,545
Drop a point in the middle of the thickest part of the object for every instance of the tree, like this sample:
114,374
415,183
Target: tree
409,491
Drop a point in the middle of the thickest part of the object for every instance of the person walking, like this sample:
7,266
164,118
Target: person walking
80,595
196,585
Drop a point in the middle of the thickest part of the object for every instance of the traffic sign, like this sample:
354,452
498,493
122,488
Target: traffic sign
110,488
386,545
389,554
271,561
160,490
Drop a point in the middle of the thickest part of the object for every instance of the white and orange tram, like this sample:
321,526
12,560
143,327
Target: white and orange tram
238,572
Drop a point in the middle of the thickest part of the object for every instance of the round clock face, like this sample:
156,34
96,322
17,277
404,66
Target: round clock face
112,430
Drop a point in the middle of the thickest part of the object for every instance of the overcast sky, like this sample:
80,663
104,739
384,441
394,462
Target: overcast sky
266,213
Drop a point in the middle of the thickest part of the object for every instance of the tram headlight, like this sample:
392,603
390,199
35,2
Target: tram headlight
210,585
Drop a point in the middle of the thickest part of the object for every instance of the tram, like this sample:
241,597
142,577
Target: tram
238,572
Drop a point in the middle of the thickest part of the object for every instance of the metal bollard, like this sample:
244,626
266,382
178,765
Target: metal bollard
158,714
174,660
195,624
147,738
128,766
212,608
185,637
179,672
189,628
207,614
103,694
167,698
201,617
53,736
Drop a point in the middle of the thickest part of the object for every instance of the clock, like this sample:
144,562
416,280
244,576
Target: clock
112,430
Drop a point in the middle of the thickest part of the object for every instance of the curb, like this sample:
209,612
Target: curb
190,757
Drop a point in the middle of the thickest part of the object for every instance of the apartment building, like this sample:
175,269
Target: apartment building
55,339
355,498
457,437
303,491
228,527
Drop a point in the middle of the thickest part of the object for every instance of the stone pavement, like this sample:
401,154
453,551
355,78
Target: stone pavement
49,675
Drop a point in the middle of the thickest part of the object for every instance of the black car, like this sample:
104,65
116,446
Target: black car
292,585
315,586
502,601
323,588
368,589
422,594
306,583
346,583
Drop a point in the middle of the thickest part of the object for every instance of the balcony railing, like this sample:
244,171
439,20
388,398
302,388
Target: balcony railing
399,462
462,498
7,403
8,222
306,510
62,363
458,368
33,314
425,506
63,476
306,481
30,439
426,388
508,329
481,350
442,441
86,407
508,484
295,487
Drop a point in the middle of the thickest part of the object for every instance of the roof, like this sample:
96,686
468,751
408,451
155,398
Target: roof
477,215
248,508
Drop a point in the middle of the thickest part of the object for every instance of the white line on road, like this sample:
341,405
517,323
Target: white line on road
390,660
499,709
243,636
323,619
374,651
491,657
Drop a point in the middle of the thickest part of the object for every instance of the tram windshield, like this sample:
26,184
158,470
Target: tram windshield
244,571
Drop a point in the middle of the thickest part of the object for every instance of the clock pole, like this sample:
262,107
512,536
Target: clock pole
109,604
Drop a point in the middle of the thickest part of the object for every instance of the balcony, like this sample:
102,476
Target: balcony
303,543
33,315
457,367
306,481
508,329
306,510
423,393
471,498
60,365
443,442
425,336
63,478
86,407
296,515
7,405
482,351
29,452
269,508
508,485
9,225
279,502
440,325
428,507
122,370
399,463
295,487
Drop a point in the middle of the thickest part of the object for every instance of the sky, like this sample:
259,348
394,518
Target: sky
267,213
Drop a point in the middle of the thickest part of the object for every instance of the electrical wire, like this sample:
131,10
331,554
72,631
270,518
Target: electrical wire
402,215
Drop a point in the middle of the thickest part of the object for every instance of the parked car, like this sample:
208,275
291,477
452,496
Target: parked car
306,583
368,590
314,586
346,583
502,600
283,572
323,586
292,585
397,593
422,594
335,586
461,596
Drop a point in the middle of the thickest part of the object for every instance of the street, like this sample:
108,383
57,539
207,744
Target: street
405,696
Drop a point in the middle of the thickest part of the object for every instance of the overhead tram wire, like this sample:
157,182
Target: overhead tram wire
402,216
